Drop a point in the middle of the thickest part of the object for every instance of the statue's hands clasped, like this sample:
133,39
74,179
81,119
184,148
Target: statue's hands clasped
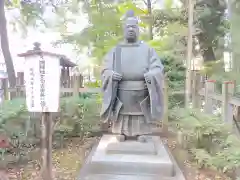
147,77
116,76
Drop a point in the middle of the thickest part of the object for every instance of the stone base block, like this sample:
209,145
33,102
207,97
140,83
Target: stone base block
129,160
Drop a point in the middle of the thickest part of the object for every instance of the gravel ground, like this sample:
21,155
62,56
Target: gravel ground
67,163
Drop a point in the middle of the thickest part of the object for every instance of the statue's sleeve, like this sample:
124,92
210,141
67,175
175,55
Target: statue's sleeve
107,86
155,87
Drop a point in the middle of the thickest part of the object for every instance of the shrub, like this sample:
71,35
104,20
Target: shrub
175,72
208,139
77,117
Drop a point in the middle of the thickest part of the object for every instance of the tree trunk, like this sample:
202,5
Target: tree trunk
5,46
188,80
208,54
207,51
150,28
234,13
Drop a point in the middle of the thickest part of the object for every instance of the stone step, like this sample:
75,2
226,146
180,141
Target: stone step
125,177
163,169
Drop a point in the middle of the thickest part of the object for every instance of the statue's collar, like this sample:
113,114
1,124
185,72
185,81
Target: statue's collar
126,44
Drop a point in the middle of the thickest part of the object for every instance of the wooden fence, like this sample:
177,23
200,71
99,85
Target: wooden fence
209,94
70,85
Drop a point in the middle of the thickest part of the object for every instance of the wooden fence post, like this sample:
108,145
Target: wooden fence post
81,81
202,81
227,108
46,145
21,83
237,113
232,87
165,111
76,85
18,92
5,87
209,88
196,87
65,80
68,81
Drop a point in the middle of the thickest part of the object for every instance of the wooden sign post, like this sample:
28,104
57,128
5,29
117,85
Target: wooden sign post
42,83
46,146
3,77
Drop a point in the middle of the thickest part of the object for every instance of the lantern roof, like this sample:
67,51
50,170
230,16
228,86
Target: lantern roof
64,61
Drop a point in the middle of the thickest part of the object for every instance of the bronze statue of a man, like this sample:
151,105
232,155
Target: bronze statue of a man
132,79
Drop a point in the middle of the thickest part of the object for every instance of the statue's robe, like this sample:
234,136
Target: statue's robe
132,104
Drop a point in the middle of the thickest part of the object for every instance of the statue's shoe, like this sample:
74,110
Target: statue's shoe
121,138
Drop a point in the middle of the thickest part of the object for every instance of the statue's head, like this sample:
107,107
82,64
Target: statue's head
131,28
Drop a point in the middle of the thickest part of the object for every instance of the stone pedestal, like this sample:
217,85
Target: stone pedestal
130,160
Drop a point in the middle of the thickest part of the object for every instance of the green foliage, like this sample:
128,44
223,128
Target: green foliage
210,25
209,139
14,125
234,21
214,67
175,72
102,33
13,112
95,84
78,110
11,109
78,117
170,47
30,14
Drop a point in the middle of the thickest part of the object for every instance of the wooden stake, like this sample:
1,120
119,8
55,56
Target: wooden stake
189,53
5,87
196,86
165,115
209,89
46,146
76,85
227,108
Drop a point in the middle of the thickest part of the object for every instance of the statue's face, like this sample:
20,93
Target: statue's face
131,30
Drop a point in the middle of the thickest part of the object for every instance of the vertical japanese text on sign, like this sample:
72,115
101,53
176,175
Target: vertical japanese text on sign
31,86
42,81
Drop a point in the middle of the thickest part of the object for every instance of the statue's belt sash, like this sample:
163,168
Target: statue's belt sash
132,85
